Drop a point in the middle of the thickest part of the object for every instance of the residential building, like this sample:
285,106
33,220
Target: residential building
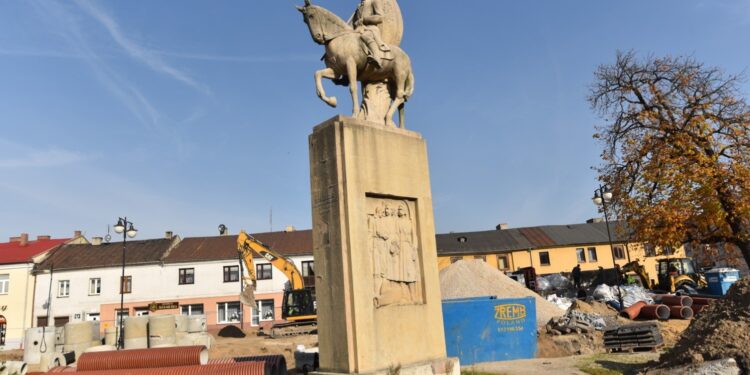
17,258
188,276
551,248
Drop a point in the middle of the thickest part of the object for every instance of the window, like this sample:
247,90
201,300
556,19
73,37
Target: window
264,311
456,259
231,274
141,311
126,285
187,276
4,284
307,269
481,257
264,271
196,309
63,288
92,317
581,255
124,313
650,250
502,262
667,250
619,252
95,287
228,312
592,255
544,258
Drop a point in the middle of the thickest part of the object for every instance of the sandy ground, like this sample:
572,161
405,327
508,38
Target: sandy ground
575,365
260,345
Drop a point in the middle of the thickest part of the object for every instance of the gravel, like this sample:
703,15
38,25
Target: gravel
475,278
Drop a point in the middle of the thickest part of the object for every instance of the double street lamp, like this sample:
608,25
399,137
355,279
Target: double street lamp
602,197
126,228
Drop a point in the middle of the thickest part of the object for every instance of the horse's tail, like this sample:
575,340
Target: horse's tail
409,86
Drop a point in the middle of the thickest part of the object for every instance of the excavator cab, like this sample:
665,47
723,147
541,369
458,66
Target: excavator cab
298,305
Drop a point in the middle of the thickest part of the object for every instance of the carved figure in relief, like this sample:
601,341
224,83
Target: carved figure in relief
395,255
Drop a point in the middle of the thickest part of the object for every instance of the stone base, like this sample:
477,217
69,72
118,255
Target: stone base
447,366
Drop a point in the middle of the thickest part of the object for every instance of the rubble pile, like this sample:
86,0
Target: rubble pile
721,331
474,278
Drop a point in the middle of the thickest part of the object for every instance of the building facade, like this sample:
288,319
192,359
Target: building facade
191,276
17,284
552,248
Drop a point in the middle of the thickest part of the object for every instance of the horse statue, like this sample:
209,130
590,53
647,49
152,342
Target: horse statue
347,63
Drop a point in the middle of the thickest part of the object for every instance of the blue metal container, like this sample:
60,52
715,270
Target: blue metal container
720,280
487,329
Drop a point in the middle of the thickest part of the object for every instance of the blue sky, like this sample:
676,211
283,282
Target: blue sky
187,114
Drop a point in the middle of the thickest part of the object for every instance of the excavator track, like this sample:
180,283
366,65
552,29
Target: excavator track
293,329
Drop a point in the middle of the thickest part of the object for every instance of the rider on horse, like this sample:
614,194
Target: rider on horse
366,21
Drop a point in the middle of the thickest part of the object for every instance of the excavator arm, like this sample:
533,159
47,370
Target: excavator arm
248,246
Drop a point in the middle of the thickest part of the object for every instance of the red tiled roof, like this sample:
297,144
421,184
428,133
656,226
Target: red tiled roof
14,252
225,247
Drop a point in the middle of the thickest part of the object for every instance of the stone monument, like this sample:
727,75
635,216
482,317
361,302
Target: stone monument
377,287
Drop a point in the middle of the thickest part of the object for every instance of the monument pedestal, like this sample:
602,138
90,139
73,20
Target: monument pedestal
377,286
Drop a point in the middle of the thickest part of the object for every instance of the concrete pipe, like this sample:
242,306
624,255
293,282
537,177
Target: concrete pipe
181,339
100,348
96,331
14,368
136,343
161,325
110,336
633,311
36,341
197,323
660,312
144,358
136,327
681,312
159,341
200,338
677,301
78,349
51,360
78,333
181,323
59,335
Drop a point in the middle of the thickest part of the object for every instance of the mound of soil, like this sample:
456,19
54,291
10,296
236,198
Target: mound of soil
231,331
475,278
721,331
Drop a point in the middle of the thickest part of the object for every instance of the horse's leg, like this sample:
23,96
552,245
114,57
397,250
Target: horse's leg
351,70
401,117
324,73
398,100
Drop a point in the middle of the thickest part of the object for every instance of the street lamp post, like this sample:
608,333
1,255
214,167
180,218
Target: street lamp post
602,197
126,228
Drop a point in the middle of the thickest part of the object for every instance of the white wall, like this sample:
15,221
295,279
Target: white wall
150,283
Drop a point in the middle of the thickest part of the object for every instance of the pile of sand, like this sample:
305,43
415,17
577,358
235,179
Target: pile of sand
475,278
721,331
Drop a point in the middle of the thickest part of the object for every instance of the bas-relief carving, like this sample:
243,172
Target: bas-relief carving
365,49
395,249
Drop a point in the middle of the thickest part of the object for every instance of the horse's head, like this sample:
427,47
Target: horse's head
323,24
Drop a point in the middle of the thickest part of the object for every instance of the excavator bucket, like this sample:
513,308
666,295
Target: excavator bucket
247,297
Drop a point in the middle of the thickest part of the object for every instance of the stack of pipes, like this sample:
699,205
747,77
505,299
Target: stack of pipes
172,361
668,306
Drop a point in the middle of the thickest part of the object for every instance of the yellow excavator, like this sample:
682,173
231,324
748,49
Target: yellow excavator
674,274
298,306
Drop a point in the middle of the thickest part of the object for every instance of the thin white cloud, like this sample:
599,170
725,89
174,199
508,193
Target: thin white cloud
40,158
134,50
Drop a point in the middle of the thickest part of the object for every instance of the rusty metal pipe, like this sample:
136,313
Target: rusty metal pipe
244,368
143,358
660,312
276,364
633,311
681,312
677,301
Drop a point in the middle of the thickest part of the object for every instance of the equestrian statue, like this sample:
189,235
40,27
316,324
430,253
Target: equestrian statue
365,49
